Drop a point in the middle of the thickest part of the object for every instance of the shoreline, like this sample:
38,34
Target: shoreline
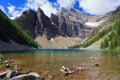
52,50
13,47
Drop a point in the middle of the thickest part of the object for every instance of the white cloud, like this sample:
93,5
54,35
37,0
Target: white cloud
99,6
2,8
11,8
45,5
91,6
48,9
66,3
12,12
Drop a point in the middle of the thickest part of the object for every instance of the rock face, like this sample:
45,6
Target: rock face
44,26
71,23
37,23
65,23
27,20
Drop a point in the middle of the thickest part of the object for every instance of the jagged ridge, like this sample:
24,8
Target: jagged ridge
65,23
37,23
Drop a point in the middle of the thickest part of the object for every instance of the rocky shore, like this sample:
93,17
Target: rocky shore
13,72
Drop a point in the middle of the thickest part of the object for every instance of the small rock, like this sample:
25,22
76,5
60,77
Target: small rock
65,71
97,64
6,61
7,65
50,76
34,74
0,60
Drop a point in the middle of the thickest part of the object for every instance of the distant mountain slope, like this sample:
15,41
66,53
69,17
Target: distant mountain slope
11,33
108,32
115,15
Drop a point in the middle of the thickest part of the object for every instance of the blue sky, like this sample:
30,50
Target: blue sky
14,8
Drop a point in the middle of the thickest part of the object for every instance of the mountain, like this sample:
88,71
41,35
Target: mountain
71,23
65,23
44,26
107,34
37,23
12,36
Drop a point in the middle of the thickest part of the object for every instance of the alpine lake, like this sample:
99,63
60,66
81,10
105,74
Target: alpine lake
48,62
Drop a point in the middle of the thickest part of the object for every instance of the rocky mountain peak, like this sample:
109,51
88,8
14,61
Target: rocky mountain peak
42,18
72,15
28,12
40,12
37,23
63,10
67,22
70,22
72,10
